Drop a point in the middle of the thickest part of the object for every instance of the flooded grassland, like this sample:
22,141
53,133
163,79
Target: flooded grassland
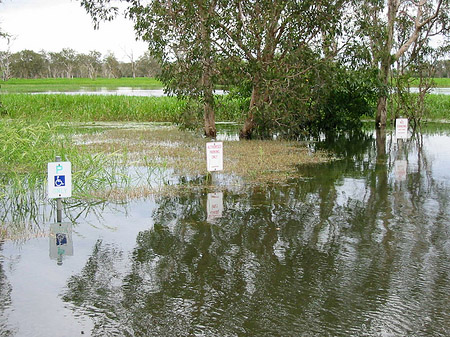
118,162
286,241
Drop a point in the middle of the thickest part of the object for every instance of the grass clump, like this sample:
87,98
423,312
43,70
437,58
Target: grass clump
25,146
438,107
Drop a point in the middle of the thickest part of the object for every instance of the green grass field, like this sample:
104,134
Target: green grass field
84,108
88,108
76,84
438,82
438,107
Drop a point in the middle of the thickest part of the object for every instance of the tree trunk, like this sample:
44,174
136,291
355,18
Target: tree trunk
209,117
207,84
385,72
386,62
249,124
381,117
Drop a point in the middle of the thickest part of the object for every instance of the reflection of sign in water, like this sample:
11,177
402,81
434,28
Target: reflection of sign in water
60,241
214,206
400,169
214,156
60,180
401,128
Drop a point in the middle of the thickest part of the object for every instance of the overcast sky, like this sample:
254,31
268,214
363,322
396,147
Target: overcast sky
52,25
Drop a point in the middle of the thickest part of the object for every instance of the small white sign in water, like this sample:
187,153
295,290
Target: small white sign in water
60,180
214,206
214,156
401,128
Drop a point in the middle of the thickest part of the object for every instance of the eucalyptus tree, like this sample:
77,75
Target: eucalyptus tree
90,64
395,29
63,63
179,34
111,66
147,66
5,57
132,63
28,64
276,39
201,42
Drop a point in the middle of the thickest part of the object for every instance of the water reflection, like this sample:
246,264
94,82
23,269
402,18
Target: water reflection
345,250
121,91
5,297
60,241
214,206
355,247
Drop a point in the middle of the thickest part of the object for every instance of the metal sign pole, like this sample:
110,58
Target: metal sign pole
58,201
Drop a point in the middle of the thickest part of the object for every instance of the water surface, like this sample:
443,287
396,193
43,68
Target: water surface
356,247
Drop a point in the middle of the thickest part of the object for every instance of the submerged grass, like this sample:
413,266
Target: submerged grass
26,148
122,162
184,152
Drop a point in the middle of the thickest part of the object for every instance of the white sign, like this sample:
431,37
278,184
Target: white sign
214,156
214,206
60,180
401,128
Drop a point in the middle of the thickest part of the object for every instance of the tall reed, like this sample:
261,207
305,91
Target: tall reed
88,108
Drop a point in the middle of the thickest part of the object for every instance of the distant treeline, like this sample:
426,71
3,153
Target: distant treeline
69,64
442,69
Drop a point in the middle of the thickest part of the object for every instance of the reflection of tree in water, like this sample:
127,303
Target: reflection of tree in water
315,257
22,215
5,299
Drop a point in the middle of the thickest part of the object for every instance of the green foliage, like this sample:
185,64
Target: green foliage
328,98
347,97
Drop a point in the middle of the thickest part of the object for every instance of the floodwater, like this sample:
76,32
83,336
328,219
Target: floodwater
437,91
356,247
121,91
129,91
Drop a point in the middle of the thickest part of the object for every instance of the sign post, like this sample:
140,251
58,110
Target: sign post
401,128
214,156
59,183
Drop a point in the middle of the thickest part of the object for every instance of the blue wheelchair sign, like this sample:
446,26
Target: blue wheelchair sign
60,181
